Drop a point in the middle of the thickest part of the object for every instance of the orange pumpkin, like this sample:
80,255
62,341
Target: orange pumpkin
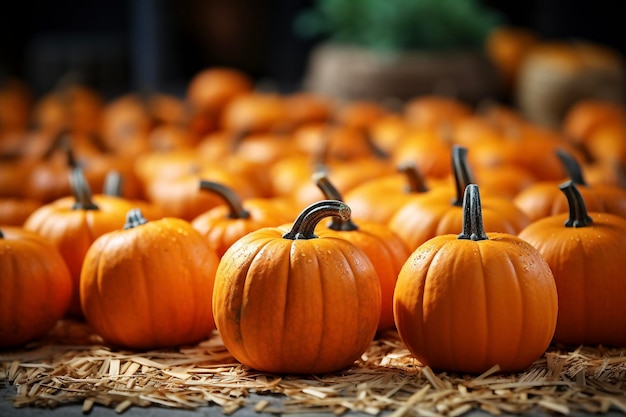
465,303
427,215
36,286
377,199
543,199
381,245
73,223
223,225
15,211
157,272
287,301
587,254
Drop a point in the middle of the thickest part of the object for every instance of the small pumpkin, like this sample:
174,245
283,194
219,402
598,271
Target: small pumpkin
543,198
587,254
224,224
465,303
427,215
289,302
383,247
150,284
36,286
73,223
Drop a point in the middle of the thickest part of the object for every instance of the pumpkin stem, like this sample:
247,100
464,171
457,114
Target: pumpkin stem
578,215
377,151
134,218
304,225
332,193
236,138
81,191
235,207
413,176
1,235
473,228
571,166
462,174
113,184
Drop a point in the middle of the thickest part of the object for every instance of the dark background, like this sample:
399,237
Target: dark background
117,45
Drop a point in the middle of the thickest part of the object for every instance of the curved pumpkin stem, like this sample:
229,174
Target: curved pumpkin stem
571,166
413,176
473,228
304,225
578,215
377,151
236,138
332,193
235,207
1,235
462,174
113,184
81,191
134,218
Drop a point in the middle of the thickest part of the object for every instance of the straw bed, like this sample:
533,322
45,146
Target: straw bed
73,366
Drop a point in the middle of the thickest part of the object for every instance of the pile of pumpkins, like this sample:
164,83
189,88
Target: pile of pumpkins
302,228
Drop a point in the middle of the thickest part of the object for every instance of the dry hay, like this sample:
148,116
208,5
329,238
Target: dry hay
74,366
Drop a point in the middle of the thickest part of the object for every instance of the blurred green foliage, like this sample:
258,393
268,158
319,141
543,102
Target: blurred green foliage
397,25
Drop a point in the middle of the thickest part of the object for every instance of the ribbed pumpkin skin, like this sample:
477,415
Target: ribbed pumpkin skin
589,264
36,287
386,251
150,286
73,231
295,306
464,306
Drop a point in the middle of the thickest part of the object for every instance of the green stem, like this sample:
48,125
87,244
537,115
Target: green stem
473,228
134,218
235,206
81,191
413,176
578,215
462,174
571,166
332,193
113,184
304,225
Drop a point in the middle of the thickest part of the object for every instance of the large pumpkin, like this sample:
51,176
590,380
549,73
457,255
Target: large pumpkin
287,301
36,286
468,302
149,285
587,254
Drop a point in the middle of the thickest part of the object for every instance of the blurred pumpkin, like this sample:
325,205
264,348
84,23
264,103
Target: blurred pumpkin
427,215
224,224
379,243
36,287
71,224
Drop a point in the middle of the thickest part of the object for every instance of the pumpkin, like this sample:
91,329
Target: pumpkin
286,301
365,199
431,111
36,286
543,198
465,303
15,211
150,284
428,148
73,223
587,254
224,224
381,245
427,215
587,115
